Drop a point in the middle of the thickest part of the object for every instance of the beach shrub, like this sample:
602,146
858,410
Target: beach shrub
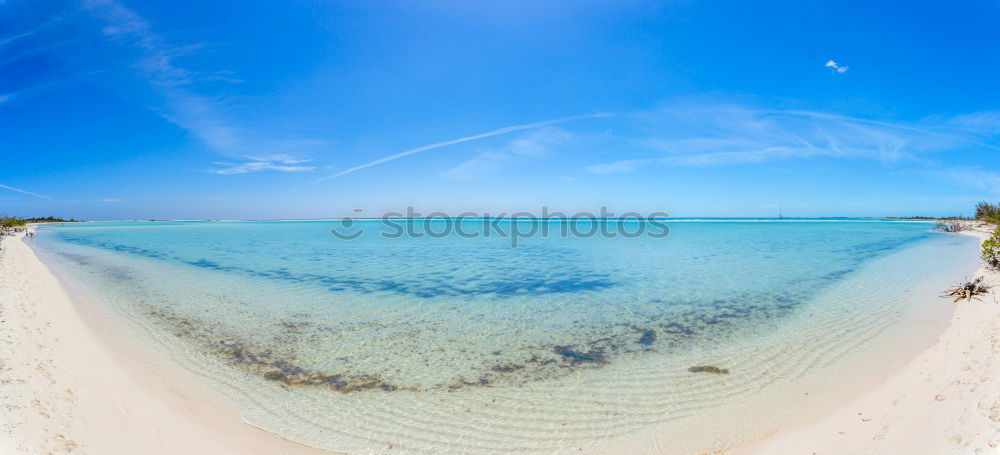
991,250
11,224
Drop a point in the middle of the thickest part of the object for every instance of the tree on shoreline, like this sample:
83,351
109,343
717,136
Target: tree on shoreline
11,224
49,219
988,212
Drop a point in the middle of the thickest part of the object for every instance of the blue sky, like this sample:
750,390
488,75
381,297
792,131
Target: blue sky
126,109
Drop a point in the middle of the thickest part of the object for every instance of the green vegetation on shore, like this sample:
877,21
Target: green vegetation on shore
927,218
991,250
988,212
50,219
11,224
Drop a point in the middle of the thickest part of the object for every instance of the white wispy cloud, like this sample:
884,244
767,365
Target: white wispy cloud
713,135
36,50
987,122
110,200
276,162
837,68
437,145
29,193
483,163
8,39
620,166
128,27
43,87
15,37
30,43
978,177
203,116
536,145
539,143
185,108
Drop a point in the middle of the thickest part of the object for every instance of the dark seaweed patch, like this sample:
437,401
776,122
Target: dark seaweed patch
687,323
574,356
78,259
206,264
507,368
272,366
648,337
708,369
115,247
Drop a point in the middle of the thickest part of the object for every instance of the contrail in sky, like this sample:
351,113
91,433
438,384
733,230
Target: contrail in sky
27,192
505,130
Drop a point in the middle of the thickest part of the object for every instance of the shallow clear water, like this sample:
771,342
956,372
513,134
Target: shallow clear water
424,344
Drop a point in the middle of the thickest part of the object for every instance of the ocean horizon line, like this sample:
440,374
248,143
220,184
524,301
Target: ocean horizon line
522,219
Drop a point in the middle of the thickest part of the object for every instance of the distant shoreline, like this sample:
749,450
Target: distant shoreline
679,219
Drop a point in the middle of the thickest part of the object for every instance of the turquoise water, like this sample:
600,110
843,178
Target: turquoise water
418,345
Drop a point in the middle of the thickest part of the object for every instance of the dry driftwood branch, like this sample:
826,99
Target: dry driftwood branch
968,290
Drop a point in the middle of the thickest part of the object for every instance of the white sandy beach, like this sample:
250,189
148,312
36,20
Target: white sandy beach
64,389
945,401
